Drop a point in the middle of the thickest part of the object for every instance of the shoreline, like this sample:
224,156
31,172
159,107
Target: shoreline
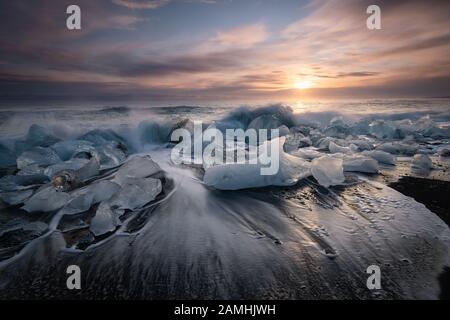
434,194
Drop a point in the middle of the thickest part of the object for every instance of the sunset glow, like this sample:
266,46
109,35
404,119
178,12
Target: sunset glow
305,84
219,50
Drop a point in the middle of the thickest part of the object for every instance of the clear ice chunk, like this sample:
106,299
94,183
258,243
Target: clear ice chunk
70,148
14,183
104,221
73,164
37,156
359,163
45,200
381,156
237,176
328,170
7,157
15,197
422,161
84,199
135,193
37,136
140,166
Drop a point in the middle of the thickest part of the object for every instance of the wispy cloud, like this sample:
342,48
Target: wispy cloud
141,4
241,37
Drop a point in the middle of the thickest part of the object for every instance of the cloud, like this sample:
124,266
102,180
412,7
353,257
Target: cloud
141,4
329,46
188,64
241,37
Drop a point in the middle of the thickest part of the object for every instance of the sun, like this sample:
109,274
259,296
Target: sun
305,84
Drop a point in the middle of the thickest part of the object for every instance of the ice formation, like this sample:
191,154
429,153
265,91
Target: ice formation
19,182
308,153
381,156
293,141
337,128
73,164
7,157
15,197
245,175
328,170
37,136
359,163
444,152
45,200
335,148
139,166
105,220
73,148
83,199
398,148
422,161
37,156
135,193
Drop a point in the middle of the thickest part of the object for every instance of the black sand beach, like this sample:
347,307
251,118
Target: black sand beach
434,194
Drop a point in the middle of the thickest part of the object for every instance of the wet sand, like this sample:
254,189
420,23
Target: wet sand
434,194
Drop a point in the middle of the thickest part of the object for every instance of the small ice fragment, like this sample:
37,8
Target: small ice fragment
323,143
89,170
358,163
73,164
111,154
307,153
444,153
100,137
293,141
79,204
39,156
362,144
328,171
45,200
137,167
398,148
30,170
70,148
7,157
94,193
15,197
301,129
334,148
381,156
383,129
337,128
13,183
37,136
135,193
104,221
422,161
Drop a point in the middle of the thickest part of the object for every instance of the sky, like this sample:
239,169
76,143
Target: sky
230,50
